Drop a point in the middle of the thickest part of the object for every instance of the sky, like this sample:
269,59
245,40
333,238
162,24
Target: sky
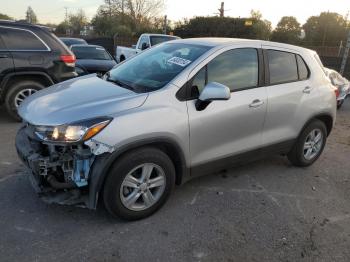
53,10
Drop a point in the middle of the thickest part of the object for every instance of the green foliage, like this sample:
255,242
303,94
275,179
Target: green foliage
223,27
77,21
74,24
325,29
288,30
31,16
5,17
62,28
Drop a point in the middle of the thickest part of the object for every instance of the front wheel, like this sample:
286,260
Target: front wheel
139,184
309,145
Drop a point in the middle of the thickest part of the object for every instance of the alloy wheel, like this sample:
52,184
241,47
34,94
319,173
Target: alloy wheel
142,187
313,144
23,94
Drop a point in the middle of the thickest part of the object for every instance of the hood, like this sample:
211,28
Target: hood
94,66
77,99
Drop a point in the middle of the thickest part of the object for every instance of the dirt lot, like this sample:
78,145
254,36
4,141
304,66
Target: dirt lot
266,211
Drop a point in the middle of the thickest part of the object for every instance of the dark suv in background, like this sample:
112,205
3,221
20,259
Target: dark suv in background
31,58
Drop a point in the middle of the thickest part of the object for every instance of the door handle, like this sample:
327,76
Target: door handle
3,56
256,103
307,90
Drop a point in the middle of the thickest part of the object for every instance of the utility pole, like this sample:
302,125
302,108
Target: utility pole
66,13
222,9
345,56
165,23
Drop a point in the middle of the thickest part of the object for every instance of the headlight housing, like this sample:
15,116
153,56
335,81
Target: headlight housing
74,132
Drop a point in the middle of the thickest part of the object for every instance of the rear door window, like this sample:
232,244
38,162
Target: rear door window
283,67
23,40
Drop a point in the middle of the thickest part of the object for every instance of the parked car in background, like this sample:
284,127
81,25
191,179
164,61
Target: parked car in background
31,58
145,41
92,59
69,41
341,83
181,109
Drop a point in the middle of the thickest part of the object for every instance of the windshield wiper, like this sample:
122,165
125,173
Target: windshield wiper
118,82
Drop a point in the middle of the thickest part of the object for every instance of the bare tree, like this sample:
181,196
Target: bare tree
139,10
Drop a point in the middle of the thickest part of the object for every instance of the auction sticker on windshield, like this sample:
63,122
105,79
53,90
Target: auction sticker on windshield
179,61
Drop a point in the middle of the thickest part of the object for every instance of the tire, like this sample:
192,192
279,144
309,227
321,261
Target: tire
14,91
339,104
299,156
137,160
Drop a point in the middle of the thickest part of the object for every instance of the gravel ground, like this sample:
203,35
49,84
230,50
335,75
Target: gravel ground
265,211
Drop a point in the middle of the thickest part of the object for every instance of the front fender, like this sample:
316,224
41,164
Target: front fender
104,162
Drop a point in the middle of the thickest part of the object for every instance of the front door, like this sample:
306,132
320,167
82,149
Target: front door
227,128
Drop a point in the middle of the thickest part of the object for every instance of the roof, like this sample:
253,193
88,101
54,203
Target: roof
81,45
71,38
149,34
22,24
221,41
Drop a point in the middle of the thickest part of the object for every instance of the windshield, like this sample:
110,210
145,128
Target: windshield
72,41
153,69
155,40
90,52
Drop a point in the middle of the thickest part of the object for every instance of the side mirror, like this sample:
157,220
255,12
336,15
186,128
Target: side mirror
144,46
211,92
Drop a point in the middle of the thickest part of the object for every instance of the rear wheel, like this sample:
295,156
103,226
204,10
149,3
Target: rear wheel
339,104
139,184
16,95
310,144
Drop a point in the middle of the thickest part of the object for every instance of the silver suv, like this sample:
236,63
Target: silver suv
178,110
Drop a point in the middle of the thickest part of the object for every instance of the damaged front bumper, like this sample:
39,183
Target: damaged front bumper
59,173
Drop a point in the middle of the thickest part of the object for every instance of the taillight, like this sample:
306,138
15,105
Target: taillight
69,60
336,91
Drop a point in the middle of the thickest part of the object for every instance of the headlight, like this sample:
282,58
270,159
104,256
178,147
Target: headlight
74,132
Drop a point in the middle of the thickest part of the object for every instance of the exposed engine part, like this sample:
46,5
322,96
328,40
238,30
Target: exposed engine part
51,179
63,165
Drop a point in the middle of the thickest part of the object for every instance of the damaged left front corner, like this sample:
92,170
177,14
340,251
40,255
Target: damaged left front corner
60,171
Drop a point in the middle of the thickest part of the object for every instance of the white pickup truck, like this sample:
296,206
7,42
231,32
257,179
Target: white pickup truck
145,41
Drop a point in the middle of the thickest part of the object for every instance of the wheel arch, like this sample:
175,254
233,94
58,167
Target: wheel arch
326,118
13,78
104,162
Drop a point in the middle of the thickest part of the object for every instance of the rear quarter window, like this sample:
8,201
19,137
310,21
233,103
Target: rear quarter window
303,70
14,40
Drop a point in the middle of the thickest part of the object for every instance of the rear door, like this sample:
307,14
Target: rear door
28,50
227,128
6,61
291,96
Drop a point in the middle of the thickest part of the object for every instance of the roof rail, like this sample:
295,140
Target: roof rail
7,20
